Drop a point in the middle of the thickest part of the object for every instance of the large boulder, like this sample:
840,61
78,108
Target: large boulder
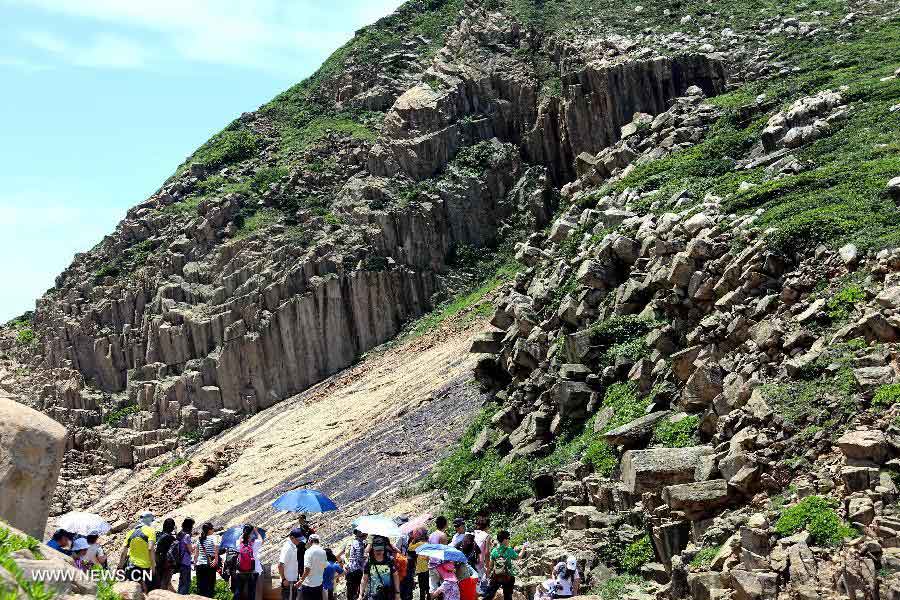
31,451
652,470
697,500
864,446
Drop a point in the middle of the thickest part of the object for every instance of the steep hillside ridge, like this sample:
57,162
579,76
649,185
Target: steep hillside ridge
315,228
694,374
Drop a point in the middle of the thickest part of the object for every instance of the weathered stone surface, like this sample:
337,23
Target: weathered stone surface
697,500
31,450
652,470
637,431
868,445
754,585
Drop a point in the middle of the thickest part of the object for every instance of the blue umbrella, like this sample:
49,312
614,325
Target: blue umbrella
441,552
231,536
304,501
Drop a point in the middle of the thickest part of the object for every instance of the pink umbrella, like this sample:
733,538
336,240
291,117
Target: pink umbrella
420,521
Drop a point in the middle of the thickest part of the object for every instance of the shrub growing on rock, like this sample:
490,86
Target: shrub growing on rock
815,515
886,395
637,554
677,434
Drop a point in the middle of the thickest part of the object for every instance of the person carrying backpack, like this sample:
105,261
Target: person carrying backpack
139,553
246,569
206,557
502,574
165,540
180,555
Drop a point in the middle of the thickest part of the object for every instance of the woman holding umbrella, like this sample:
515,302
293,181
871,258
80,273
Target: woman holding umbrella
379,580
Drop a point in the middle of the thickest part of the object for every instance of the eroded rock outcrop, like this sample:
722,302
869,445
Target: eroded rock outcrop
31,451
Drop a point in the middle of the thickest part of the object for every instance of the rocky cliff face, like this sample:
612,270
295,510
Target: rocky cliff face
265,265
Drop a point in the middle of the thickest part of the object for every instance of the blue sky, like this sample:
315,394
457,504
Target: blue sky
102,99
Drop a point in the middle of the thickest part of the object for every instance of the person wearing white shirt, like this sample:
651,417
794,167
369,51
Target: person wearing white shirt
288,567
314,562
95,554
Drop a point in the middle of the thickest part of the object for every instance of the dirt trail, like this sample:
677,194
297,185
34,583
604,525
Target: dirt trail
363,437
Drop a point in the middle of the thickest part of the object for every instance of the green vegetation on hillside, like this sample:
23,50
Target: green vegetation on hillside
840,197
817,516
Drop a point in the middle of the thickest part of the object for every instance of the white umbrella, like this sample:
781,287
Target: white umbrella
83,523
378,525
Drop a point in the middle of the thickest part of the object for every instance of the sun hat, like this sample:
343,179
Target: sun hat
571,563
79,544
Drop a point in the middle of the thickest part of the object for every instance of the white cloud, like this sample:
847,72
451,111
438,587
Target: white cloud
102,50
267,34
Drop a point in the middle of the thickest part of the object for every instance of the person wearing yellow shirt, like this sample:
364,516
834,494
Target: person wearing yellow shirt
139,553
419,537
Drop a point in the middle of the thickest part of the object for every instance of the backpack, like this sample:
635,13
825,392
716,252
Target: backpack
229,567
500,568
401,565
164,544
175,555
246,562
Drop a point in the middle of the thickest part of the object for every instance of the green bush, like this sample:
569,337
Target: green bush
26,336
535,528
221,592
677,434
614,587
705,557
114,417
816,515
637,554
226,147
255,222
476,159
886,395
10,542
843,302
18,586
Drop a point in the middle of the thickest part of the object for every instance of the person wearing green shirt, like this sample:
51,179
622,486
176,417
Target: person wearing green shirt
502,573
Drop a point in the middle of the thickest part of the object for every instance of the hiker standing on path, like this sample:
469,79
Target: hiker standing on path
162,575
356,559
139,552
468,547
314,565
333,569
186,551
566,578
248,566
502,573
438,536
379,581
288,567
206,558
459,524
485,542
418,538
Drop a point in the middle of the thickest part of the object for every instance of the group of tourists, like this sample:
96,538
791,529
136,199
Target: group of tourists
375,569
